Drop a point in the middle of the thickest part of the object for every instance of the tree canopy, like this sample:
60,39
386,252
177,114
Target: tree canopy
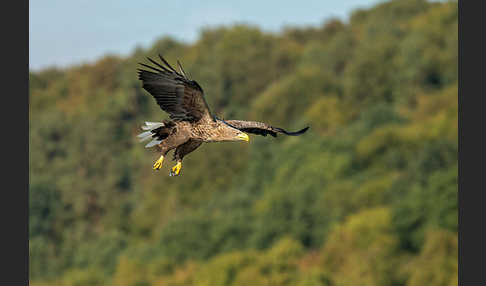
368,196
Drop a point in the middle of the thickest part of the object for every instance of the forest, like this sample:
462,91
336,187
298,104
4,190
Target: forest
368,196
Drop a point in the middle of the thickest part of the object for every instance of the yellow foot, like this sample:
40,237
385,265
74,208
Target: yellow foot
176,169
158,163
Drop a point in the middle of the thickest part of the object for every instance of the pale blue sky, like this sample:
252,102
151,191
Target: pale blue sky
66,32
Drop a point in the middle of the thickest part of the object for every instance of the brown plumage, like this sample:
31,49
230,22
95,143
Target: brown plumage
191,121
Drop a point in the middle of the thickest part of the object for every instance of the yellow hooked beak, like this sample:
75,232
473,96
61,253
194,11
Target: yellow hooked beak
243,136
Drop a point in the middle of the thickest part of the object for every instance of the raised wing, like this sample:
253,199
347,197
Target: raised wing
175,93
261,128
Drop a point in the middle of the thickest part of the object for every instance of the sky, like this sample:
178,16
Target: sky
70,32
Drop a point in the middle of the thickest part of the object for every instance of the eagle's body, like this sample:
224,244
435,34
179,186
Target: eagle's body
191,122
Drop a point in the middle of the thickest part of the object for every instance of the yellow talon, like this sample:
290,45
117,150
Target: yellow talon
158,163
176,169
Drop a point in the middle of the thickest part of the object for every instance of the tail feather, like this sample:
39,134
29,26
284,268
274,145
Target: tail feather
149,134
145,138
153,143
144,134
152,125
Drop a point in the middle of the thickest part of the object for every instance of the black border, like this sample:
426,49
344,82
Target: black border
471,90
15,163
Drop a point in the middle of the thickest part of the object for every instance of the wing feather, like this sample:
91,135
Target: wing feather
181,69
182,98
261,128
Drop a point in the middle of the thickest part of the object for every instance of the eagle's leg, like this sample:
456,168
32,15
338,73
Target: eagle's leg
176,169
158,163
180,152
164,149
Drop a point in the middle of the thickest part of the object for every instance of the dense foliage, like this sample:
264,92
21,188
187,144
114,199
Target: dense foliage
368,196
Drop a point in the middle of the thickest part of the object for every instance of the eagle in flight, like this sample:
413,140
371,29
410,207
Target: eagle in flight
191,122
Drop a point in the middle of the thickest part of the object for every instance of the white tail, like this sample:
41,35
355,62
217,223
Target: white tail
152,125
148,134
153,143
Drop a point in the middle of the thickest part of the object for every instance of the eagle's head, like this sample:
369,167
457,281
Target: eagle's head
225,132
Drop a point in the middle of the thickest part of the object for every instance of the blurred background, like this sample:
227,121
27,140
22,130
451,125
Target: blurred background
368,196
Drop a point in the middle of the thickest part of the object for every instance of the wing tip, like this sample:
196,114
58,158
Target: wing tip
296,133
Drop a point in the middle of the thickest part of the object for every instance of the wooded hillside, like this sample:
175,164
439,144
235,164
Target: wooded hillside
368,196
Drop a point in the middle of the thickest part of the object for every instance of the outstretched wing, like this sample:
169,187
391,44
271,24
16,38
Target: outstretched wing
174,92
261,128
